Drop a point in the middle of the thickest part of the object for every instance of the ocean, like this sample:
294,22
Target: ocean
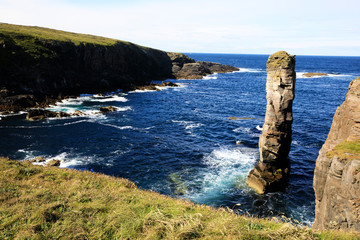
197,141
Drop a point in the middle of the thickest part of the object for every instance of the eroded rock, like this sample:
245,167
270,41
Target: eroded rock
337,172
272,171
53,163
198,70
107,109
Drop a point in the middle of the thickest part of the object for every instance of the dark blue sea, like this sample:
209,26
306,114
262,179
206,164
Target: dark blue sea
181,142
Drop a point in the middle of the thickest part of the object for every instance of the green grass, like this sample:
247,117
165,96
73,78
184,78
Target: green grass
346,150
52,34
51,203
34,41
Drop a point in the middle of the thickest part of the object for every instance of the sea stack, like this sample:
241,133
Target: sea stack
272,171
337,171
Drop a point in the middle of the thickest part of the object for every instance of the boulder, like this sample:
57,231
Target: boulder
78,113
37,160
38,114
168,84
53,163
272,171
107,109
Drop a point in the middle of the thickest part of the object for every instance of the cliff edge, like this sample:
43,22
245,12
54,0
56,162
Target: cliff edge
337,171
39,66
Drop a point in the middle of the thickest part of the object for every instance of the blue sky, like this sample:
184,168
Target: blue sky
306,27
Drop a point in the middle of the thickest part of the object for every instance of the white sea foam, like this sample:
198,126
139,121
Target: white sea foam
211,76
109,99
243,130
248,131
117,127
250,70
225,168
142,91
258,127
188,124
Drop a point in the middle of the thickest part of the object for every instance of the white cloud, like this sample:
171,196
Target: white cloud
202,26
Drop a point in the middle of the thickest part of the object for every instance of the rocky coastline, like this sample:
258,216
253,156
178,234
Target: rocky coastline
337,172
36,71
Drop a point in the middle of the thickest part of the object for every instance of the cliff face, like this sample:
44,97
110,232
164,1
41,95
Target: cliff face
337,172
271,173
39,65
63,68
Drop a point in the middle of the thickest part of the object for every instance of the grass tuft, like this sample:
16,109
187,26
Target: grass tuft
346,150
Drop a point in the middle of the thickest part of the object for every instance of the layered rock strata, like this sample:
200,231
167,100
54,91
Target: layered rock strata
337,171
272,171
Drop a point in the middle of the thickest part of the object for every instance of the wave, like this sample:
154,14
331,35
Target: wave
249,131
117,127
211,76
109,99
224,168
250,70
142,91
188,124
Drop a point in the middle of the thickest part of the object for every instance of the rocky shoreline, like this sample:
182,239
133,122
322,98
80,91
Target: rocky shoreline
36,72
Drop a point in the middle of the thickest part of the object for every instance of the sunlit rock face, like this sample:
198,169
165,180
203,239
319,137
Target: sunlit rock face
337,172
272,171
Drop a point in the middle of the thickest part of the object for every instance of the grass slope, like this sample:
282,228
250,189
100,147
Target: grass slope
33,40
50,203
52,34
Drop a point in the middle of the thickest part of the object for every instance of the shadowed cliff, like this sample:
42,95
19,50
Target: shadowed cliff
40,65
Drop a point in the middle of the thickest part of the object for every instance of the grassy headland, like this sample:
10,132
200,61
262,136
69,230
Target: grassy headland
50,203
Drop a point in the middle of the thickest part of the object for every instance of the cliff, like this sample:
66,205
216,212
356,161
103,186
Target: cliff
272,171
337,171
40,65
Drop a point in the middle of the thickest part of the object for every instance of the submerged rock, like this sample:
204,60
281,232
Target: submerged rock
312,74
337,172
180,187
107,109
272,171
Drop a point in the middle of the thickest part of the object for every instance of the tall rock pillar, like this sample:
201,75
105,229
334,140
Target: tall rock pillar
272,171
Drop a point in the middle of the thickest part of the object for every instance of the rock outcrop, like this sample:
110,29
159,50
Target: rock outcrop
107,109
38,114
272,171
200,69
337,171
